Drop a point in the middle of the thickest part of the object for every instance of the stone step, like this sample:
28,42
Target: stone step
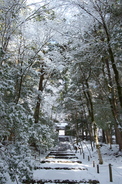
61,157
61,153
61,161
60,165
61,181
62,168
52,171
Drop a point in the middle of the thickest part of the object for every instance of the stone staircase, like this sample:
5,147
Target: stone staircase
62,167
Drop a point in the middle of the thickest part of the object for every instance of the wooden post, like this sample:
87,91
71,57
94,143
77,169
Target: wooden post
110,173
88,158
80,151
98,168
83,155
93,163
39,155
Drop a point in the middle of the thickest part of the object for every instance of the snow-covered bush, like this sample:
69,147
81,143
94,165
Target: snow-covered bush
15,161
42,135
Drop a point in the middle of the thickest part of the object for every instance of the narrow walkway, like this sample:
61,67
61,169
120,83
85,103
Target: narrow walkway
62,166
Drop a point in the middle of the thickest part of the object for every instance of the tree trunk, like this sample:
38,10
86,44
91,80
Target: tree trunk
116,73
37,108
86,132
98,146
118,136
103,136
95,133
109,137
76,129
18,89
113,105
82,133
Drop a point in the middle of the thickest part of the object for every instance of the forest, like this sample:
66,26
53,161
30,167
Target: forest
60,61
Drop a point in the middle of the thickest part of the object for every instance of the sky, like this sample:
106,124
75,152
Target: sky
33,1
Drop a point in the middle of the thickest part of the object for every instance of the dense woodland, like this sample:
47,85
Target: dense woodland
58,59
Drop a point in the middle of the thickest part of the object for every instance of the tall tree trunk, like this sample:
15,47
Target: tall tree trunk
109,137
113,105
40,89
118,136
116,73
91,111
103,136
18,89
110,51
82,133
76,128
98,146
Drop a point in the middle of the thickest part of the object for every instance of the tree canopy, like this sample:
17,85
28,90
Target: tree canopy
60,60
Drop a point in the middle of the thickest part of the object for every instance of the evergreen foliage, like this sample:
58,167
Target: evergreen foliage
57,59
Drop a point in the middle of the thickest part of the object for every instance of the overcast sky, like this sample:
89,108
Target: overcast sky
33,1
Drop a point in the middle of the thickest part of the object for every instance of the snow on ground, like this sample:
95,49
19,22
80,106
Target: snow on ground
110,156
76,175
86,171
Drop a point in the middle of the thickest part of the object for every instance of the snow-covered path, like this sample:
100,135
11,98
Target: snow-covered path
55,170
